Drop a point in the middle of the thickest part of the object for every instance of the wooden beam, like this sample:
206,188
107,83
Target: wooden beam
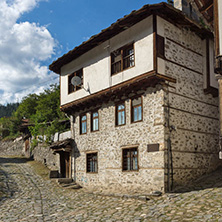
207,6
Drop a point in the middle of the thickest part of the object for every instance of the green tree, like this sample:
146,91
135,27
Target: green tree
27,107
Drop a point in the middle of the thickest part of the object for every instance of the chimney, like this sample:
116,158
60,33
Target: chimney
187,7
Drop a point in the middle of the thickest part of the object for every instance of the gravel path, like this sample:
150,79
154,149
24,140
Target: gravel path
27,197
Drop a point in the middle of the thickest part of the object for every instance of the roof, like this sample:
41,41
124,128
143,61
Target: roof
206,9
64,145
162,9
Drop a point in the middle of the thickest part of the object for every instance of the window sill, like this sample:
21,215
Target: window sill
122,70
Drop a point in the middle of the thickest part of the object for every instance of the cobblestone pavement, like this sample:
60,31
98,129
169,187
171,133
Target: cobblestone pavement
27,197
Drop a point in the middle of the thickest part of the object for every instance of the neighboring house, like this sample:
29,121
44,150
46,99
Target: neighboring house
149,120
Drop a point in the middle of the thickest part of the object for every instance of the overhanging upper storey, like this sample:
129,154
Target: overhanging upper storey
162,9
131,48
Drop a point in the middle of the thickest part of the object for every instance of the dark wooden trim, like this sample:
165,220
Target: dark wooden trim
194,152
160,46
197,131
131,109
196,114
183,46
191,168
91,120
92,152
80,123
60,90
155,42
207,63
125,148
69,82
216,28
149,79
116,113
122,50
191,98
206,7
185,67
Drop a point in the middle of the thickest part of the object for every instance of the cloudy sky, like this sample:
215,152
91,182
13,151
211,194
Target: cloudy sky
33,33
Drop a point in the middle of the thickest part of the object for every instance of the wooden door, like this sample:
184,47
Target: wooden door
65,164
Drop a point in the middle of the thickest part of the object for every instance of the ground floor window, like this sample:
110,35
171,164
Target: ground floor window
91,163
130,159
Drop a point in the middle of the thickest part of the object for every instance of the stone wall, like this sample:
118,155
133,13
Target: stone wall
192,113
12,148
110,140
42,153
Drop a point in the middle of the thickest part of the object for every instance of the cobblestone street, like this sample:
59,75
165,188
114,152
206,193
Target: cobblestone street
28,197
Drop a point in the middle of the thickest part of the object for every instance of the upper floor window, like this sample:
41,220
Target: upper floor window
130,159
83,124
120,114
122,58
94,121
71,87
136,109
91,163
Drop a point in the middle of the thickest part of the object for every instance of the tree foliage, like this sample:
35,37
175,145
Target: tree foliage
7,110
42,111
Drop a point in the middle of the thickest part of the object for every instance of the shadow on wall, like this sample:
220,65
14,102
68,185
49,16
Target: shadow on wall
76,154
212,180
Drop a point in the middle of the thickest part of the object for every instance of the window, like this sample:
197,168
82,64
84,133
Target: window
160,46
92,163
130,159
71,87
83,124
94,121
122,58
136,110
120,114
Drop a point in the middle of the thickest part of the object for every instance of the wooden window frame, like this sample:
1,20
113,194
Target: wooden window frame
160,46
72,88
117,112
132,109
80,124
124,160
122,55
92,118
88,162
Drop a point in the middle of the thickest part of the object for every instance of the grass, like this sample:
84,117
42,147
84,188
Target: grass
39,169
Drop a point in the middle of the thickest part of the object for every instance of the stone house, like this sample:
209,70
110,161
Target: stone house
143,107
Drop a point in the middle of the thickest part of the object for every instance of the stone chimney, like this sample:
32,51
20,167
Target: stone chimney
187,7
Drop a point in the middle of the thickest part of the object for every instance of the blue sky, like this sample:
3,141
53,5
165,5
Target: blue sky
36,32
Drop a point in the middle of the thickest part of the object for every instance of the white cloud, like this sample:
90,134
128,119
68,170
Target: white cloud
23,48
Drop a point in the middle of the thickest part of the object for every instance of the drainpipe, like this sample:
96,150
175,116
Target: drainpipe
73,164
169,148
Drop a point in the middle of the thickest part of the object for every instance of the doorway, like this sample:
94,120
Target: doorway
65,164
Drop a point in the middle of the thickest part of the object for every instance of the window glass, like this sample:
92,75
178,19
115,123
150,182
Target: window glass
120,114
95,121
83,124
130,159
92,163
136,109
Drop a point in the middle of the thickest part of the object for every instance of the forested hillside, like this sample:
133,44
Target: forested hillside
41,111
6,111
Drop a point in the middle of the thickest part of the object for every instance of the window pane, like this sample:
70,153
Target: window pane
121,107
84,127
83,117
95,124
95,114
130,159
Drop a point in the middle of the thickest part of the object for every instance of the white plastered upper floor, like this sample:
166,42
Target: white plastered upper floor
96,63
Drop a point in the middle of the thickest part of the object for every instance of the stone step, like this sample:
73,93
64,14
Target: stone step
72,185
64,180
